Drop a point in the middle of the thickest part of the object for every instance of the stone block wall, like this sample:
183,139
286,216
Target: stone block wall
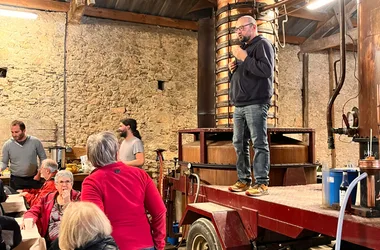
290,101
112,72
113,69
33,53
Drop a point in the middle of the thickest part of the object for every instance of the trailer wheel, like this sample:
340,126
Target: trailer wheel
202,236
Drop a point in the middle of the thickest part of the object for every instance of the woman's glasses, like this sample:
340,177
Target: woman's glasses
64,182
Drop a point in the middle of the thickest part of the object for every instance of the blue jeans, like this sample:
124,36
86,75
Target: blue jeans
250,122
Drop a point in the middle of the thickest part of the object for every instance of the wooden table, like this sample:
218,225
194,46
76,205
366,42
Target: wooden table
31,239
14,203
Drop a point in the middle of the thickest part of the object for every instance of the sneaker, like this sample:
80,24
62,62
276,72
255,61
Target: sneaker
238,187
257,190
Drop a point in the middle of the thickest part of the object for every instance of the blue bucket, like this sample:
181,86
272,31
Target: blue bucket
335,179
174,241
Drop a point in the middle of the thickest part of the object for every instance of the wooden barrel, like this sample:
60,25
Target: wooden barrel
226,16
223,153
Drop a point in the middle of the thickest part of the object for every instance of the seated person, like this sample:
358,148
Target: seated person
10,234
47,213
3,197
48,170
84,226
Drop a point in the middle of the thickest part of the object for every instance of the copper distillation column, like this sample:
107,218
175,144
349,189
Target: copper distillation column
369,98
228,11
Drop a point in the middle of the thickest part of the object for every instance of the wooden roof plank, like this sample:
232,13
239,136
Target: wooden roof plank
38,4
292,39
327,42
306,14
140,18
332,22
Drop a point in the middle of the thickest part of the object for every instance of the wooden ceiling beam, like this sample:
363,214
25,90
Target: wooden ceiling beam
328,42
293,39
38,4
140,18
306,14
50,5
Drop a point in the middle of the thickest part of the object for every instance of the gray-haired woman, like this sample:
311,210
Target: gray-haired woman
48,212
124,194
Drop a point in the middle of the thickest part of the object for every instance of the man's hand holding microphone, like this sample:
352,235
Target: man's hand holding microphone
239,54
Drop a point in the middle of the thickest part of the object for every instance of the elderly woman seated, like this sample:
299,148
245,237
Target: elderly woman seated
48,211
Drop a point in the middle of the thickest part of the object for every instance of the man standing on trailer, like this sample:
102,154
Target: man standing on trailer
251,77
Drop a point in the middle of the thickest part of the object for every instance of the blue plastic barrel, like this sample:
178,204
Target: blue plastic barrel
335,179
174,241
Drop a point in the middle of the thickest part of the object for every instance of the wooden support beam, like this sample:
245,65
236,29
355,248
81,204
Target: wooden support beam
293,39
38,4
306,14
50,5
77,8
327,42
140,18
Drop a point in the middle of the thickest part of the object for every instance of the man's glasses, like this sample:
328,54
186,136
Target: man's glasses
241,27
64,182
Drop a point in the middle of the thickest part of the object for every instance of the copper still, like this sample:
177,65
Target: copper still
228,11
369,96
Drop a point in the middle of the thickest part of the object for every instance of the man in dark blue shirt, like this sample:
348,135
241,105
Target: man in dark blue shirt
251,89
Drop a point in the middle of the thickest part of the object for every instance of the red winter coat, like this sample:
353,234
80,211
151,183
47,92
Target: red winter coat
41,211
35,195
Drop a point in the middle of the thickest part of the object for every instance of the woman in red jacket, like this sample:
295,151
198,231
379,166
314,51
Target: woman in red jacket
48,211
124,193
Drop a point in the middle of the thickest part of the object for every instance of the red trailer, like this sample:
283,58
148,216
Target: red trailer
290,217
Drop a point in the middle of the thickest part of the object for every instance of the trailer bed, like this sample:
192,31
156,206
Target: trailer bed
305,197
291,210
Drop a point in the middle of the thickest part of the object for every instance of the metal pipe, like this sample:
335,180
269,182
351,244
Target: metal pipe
330,129
198,186
305,90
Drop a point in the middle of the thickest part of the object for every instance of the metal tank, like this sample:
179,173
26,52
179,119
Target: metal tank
369,96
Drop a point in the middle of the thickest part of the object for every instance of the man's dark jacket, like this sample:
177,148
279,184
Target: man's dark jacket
252,80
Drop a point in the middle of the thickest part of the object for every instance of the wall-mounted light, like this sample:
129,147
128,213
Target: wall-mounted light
18,14
317,4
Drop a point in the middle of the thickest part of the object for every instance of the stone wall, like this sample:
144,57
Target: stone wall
117,77
33,52
290,101
112,72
